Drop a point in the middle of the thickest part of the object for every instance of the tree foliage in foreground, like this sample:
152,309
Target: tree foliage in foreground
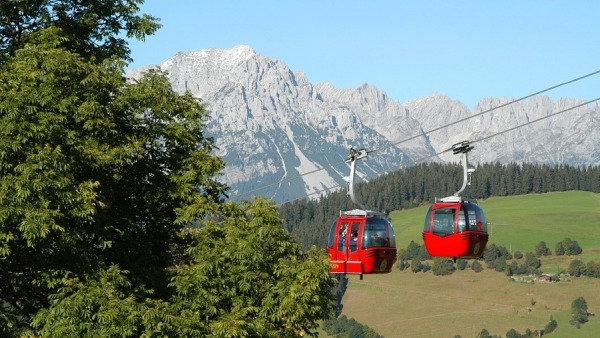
99,180
247,277
244,277
103,304
97,28
94,171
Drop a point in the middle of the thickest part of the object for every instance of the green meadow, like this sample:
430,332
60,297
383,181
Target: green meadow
521,222
407,304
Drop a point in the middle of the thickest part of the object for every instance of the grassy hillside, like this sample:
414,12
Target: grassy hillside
405,304
521,222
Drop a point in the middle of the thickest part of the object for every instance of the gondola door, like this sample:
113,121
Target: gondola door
344,246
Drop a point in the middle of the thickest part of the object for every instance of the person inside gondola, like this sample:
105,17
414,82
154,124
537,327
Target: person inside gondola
344,230
353,240
382,240
342,240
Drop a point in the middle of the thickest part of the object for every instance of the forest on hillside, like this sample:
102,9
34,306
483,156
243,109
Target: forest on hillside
309,220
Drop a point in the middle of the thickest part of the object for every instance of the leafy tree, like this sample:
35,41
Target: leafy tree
493,254
574,249
246,277
541,249
571,247
559,249
423,254
94,171
442,267
512,268
105,304
579,314
568,247
504,253
512,333
490,254
400,254
500,264
9,327
484,334
551,326
520,269
518,254
96,30
592,269
426,267
532,263
412,251
338,291
344,327
416,265
576,268
476,266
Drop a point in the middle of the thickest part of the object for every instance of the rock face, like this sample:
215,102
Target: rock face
285,138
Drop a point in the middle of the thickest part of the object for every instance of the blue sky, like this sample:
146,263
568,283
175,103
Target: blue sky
467,50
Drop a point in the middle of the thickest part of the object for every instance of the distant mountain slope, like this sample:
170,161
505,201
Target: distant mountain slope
285,138
569,137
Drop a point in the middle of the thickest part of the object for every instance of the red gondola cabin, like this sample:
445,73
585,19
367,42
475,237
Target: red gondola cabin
361,242
455,228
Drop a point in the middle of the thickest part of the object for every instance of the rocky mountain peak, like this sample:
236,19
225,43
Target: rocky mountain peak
285,138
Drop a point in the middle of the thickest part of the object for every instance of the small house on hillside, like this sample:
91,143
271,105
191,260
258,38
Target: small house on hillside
547,277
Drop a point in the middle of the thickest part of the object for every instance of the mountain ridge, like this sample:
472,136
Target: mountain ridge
285,138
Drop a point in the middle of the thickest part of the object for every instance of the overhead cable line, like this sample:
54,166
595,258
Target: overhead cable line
489,110
435,129
536,120
475,141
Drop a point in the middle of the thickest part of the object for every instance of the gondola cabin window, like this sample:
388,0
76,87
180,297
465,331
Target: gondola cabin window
353,240
443,221
331,237
343,233
377,234
476,217
462,222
